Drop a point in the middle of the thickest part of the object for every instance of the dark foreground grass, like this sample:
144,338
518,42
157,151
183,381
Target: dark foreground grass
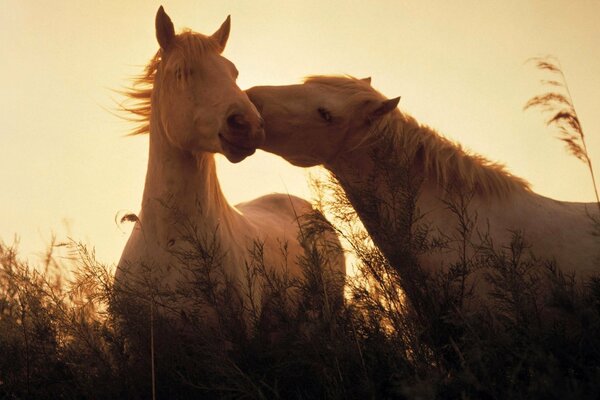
81,338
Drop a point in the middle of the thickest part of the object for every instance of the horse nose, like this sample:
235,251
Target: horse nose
238,123
246,126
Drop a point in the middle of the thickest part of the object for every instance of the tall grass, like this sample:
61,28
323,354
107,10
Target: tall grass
87,338
558,102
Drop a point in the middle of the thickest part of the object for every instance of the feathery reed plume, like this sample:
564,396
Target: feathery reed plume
563,114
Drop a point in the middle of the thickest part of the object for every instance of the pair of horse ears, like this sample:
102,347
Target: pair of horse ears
165,31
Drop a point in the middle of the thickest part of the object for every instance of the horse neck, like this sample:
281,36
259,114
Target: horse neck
382,184
379,163
405,169
442,164
181,188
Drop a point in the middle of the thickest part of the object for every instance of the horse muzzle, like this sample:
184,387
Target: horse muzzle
244,133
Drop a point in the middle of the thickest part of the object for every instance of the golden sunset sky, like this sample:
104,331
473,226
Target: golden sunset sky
67,167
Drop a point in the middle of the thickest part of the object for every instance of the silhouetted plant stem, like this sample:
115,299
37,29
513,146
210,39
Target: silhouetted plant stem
26,339
152,348
588,160
564,115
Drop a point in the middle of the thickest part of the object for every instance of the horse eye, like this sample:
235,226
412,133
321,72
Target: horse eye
326,115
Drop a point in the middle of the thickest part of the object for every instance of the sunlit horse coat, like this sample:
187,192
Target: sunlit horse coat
404,179
190,105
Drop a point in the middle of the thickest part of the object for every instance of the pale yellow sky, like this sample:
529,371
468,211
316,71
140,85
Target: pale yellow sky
66,167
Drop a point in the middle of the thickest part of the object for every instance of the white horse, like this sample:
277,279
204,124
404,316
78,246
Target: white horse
400,175
189,103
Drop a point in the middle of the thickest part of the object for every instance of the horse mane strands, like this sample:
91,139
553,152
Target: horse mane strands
446,162
139,95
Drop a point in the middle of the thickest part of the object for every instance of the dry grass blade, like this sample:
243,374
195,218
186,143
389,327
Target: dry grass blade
550,82
547,65
547,100
574,148
566,117
129,218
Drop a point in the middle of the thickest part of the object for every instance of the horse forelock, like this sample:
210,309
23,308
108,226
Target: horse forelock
188,46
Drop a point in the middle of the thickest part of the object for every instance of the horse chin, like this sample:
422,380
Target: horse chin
301,162
235,152
236,157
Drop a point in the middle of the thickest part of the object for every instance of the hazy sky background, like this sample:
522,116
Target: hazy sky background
67,167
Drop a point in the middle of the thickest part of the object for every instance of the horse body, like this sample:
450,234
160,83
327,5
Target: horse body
192,108
190,210
555,230
401,176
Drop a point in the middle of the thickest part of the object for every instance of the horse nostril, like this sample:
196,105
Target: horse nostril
261,123
237,122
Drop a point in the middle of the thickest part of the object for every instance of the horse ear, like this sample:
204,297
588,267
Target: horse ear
222,34
367,79
165,31
385,107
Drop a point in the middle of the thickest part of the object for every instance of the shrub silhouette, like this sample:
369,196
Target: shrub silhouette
80,338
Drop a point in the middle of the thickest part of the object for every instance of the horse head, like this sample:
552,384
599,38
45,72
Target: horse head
312,123
199,106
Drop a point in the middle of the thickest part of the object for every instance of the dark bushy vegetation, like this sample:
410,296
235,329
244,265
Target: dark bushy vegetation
82,338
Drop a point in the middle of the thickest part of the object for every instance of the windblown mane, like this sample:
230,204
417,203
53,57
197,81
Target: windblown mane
443,161
189,45
446,162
